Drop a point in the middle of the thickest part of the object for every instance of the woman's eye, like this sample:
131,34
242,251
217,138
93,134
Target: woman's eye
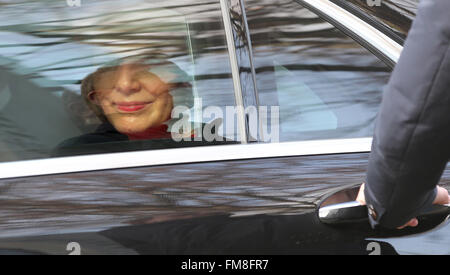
107,81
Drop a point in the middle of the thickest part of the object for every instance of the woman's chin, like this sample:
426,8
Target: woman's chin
129,129
133,125
135,129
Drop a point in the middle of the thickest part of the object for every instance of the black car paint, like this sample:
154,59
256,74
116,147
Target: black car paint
258,206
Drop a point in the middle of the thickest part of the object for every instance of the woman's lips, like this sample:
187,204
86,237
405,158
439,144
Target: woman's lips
130,107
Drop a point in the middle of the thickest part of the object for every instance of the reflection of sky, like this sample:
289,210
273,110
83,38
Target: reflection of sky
435,242
73,56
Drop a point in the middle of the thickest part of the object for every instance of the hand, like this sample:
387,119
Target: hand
442,197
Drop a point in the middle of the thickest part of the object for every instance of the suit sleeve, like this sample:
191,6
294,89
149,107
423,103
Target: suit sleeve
411,148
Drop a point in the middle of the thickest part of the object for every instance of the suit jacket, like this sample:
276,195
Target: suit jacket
411,145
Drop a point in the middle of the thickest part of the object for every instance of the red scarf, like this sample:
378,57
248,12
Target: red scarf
158,132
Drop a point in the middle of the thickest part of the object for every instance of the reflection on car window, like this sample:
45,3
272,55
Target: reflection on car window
111,76
326,85
393,17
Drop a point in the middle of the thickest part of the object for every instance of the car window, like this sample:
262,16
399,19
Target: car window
82,77
324,84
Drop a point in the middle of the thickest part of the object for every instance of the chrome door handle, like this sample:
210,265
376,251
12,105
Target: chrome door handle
347,212
354,212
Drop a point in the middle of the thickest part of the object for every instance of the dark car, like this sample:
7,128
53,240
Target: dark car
275,102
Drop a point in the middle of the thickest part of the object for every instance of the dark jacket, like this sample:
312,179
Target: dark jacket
106,139
411,145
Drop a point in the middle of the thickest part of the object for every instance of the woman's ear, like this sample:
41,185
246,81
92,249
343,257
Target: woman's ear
91,96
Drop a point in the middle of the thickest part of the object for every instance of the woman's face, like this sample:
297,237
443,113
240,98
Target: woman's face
132,98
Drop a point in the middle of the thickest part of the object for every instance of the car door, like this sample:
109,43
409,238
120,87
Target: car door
52,137
70,186
326,73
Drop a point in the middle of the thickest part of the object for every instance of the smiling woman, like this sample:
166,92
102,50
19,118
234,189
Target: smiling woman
132,103
130,97
135,102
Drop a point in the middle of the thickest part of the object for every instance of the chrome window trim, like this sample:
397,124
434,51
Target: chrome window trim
234,70
372,36
244,57
108,161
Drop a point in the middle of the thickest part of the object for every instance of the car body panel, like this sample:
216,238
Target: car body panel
198,208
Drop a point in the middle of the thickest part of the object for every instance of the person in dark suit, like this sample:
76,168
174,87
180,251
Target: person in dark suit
411,145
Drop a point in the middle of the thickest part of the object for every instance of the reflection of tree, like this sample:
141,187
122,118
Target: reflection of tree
284,27
162,34
159,36
347,78
397,15
290,29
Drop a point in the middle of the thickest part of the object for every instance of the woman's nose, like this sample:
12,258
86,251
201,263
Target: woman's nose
126,83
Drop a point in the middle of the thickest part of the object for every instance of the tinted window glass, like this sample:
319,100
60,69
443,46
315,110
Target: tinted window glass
82,77
326,85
